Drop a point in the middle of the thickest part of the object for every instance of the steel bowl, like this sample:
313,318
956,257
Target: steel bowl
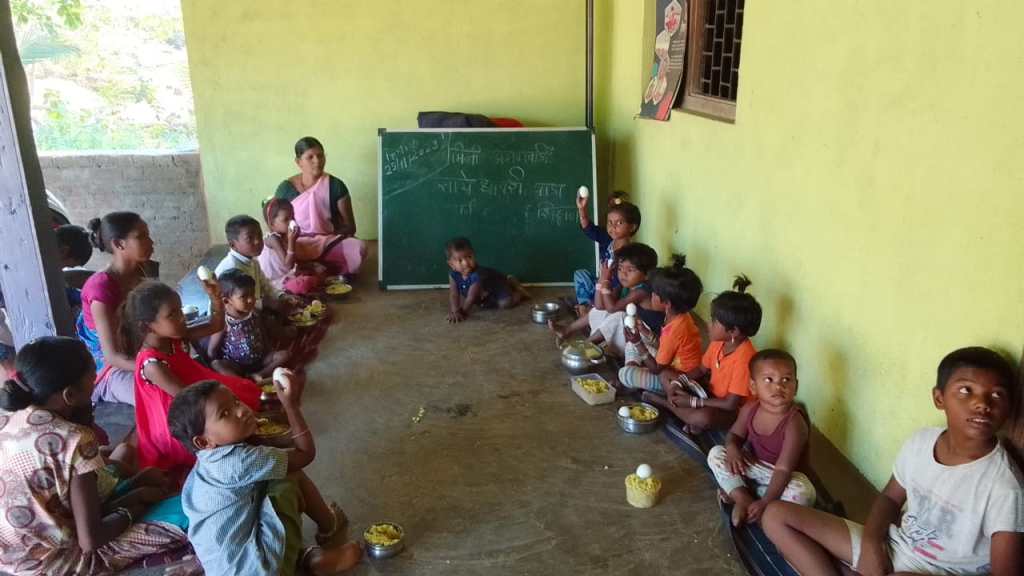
545,311
577,361
379,551
636,426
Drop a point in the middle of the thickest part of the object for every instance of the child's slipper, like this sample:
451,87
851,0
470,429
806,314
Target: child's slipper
338,525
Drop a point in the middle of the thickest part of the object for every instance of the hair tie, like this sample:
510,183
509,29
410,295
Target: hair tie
16,378
617,201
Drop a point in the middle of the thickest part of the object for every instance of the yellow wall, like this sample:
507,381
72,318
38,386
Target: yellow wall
265,73
872,187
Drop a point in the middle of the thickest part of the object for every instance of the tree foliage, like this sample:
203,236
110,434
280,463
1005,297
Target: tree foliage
106,74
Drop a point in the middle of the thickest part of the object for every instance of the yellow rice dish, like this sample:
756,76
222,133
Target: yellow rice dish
593,385
382,534
267,427
642,413
646,485
593,352
338,289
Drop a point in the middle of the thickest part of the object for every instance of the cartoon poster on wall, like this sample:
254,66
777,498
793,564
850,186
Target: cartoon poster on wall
669,56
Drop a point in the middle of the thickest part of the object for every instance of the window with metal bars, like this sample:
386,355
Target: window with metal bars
713,62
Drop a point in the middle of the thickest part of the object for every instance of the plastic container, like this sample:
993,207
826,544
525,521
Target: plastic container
592,398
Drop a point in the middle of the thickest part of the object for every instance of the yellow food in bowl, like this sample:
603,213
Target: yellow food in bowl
267,427
593,352
642,413
593,385
382,534
646,485
338,289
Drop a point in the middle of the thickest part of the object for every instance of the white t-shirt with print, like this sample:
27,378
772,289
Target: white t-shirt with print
952,512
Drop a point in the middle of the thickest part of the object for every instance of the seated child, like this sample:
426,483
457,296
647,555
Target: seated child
735,317
470,285
279,260
675,290
75,250
153,328
623,221
632,264
954,503
244,501
244,348
767,443
245,237
65,511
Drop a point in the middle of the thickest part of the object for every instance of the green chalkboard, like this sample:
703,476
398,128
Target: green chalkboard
510,191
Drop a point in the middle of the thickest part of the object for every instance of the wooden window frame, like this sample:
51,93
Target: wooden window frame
694,100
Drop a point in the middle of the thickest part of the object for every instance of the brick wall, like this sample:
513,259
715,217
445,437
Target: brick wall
166,189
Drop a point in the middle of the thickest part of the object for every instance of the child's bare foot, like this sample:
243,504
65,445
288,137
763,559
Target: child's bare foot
518,287
332,560
740,502
339,521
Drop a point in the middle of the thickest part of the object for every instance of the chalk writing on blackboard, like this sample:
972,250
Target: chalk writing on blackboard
408,155
540,154
462,156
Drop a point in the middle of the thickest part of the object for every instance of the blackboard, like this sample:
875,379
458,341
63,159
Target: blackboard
510,191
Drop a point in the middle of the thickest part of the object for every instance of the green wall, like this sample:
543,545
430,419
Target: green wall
265,73
871,187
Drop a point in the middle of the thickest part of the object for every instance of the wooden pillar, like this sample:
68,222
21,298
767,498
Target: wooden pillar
30,272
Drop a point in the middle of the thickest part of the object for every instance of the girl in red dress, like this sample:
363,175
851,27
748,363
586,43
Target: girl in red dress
153,327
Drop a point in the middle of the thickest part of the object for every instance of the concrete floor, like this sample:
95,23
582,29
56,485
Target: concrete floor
507,472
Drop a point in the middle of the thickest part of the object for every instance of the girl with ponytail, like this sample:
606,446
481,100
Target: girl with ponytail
66,510
125,236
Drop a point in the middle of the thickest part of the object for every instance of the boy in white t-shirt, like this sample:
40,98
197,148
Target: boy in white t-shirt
954,504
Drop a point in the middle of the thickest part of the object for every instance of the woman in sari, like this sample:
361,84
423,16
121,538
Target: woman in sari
125,236
323,212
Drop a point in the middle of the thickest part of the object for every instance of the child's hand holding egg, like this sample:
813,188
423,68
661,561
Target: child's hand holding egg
209,282
204,274
581,197
289,387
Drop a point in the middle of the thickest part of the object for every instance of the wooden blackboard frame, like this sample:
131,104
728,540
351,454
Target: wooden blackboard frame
594,195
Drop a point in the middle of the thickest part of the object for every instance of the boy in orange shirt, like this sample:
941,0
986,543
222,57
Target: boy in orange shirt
735,317
675,289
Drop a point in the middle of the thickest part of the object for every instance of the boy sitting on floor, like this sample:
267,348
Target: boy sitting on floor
470,285
954,503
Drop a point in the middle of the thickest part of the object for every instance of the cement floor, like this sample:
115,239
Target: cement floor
507,471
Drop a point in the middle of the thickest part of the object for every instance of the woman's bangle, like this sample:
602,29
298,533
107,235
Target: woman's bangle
298,434
696,402
127,513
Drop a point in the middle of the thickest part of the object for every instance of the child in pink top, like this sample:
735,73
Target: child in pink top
154,326
766,444
281,260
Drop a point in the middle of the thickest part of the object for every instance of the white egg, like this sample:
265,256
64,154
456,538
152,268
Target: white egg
631,309
293,225
282,376
630,322
204,274
316,304
624,411
644,471
583,192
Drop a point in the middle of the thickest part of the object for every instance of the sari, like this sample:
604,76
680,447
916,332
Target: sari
318,240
